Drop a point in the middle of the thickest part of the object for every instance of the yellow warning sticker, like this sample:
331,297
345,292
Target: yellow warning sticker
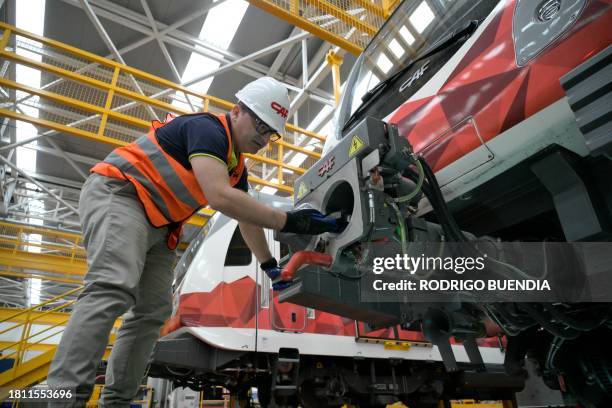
397,345
302,190
356,145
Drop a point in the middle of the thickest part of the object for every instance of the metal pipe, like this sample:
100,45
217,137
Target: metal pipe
111,46
253,56
131,19
47,219
282,55
318,77
162,46
304,62
39,185
335,60
76,157
192,16
304,258
21,142
178,38
61,152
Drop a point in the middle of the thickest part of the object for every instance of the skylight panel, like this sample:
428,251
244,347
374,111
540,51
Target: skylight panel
35,288
406,35
384,63
268,190
326,110
30,16
222,22
365,84
396,48
219,28
422,17
298,159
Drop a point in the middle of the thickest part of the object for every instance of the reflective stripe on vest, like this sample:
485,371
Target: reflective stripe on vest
169,192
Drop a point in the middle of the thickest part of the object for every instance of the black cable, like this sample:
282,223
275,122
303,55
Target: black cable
544,321
442,207
341,275
581,325
519,322
446,226
552,353
435,204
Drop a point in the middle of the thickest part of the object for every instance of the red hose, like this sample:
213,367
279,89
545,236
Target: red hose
304,258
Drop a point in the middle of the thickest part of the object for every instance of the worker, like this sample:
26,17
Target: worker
131,208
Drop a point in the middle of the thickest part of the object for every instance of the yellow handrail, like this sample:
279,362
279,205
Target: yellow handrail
26,333
46,302
347,24
111,111
50,244
30,316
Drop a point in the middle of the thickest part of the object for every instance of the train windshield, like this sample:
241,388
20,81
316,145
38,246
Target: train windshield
398,56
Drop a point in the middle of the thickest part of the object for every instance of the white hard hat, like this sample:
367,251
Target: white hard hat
269,100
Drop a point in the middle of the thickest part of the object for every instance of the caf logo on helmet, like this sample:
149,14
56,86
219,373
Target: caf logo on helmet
279,109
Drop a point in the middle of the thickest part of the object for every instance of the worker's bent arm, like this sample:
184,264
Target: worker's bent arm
214,181
255,238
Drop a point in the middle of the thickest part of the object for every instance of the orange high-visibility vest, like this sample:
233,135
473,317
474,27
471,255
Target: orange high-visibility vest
169,192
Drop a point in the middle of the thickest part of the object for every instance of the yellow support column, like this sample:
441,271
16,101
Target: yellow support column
388,6
280,166
5,38
335,61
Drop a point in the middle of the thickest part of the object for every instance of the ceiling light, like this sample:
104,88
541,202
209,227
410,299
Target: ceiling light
268,190
396,48
406,35
384,63
421,17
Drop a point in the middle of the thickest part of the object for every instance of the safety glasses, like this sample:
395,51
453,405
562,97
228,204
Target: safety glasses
261,127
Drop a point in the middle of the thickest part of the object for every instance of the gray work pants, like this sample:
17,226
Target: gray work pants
129,269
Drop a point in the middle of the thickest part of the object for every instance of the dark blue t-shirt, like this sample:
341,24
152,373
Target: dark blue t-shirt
198,135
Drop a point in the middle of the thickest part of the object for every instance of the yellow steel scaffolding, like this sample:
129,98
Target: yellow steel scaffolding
98,99
42,249
349,24
35,332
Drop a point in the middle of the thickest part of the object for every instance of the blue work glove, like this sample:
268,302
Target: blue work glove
271,268
311,222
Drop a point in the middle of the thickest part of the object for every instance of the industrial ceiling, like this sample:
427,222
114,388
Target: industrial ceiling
159,37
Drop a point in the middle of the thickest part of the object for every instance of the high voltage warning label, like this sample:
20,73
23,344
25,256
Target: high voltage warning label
356,145
302,190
